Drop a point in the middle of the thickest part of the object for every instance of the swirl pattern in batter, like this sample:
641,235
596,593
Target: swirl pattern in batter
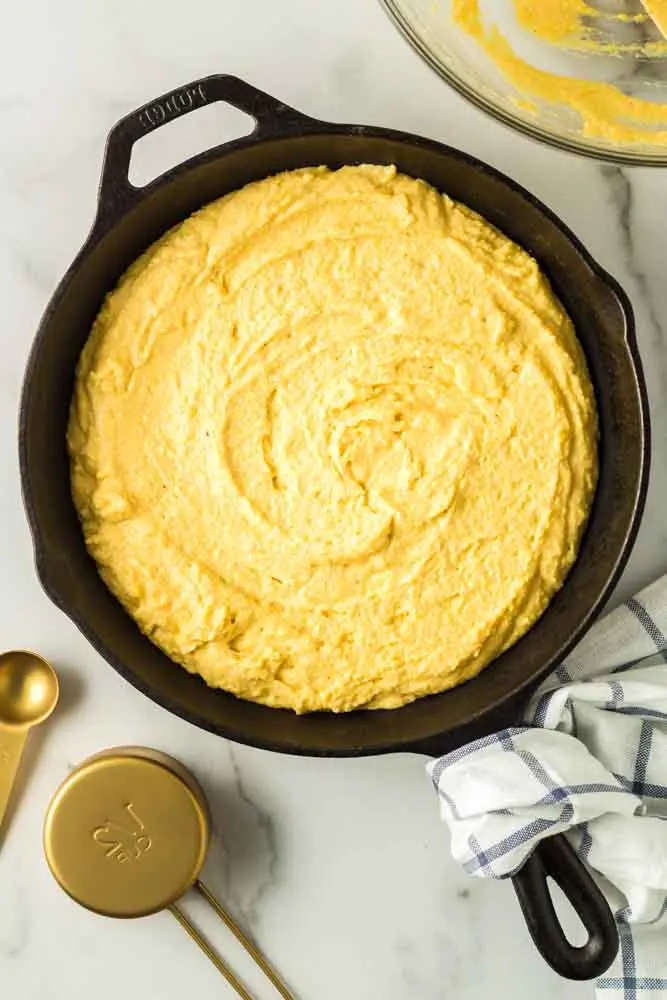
333,441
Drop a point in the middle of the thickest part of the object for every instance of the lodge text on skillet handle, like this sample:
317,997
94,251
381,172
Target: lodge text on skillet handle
117,194
554,857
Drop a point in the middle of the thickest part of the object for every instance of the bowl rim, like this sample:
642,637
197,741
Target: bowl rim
618,156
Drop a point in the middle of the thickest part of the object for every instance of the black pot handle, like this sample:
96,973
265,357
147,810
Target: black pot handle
555,857
117,193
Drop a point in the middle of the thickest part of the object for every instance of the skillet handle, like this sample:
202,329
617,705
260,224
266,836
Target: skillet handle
556,858
117,194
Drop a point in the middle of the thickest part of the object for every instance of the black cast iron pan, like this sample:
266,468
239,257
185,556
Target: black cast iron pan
128,220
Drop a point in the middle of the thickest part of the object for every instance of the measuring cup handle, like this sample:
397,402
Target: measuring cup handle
240,936
212,956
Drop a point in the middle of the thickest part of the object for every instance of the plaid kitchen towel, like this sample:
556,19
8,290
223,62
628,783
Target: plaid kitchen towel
591,759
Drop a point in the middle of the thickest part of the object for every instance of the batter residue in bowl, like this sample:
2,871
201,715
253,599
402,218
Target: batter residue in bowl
333,441
604,109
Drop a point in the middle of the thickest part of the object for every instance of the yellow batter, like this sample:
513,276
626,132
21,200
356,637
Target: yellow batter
553,20
605,111
570,22
333,442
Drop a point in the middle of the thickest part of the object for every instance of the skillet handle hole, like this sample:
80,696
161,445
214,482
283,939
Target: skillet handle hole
569,919
182,138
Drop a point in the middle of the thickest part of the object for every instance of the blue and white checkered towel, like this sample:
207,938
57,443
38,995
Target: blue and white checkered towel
590,759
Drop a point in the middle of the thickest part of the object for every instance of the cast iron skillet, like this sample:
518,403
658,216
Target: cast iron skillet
128,220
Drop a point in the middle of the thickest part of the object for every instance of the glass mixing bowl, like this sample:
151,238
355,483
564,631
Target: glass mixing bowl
637,67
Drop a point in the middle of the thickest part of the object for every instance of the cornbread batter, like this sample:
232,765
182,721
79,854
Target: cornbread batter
553,20
568,21
333,441
604,110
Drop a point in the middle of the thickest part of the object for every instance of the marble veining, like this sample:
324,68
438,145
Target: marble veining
341,869
246,835
632,204
622,197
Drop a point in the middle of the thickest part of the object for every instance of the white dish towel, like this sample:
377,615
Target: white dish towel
589,759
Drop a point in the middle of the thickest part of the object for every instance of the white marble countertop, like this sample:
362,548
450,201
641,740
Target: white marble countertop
340,869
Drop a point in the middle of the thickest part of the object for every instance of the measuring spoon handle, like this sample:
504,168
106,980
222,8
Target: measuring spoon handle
12,742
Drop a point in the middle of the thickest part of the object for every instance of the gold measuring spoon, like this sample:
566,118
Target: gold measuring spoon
28,694
126,835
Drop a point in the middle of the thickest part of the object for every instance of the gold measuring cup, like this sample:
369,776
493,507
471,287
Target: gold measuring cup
126,835
29,692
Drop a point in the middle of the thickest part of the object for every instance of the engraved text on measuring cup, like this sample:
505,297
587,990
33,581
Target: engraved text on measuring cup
175,104
5,755
126,841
